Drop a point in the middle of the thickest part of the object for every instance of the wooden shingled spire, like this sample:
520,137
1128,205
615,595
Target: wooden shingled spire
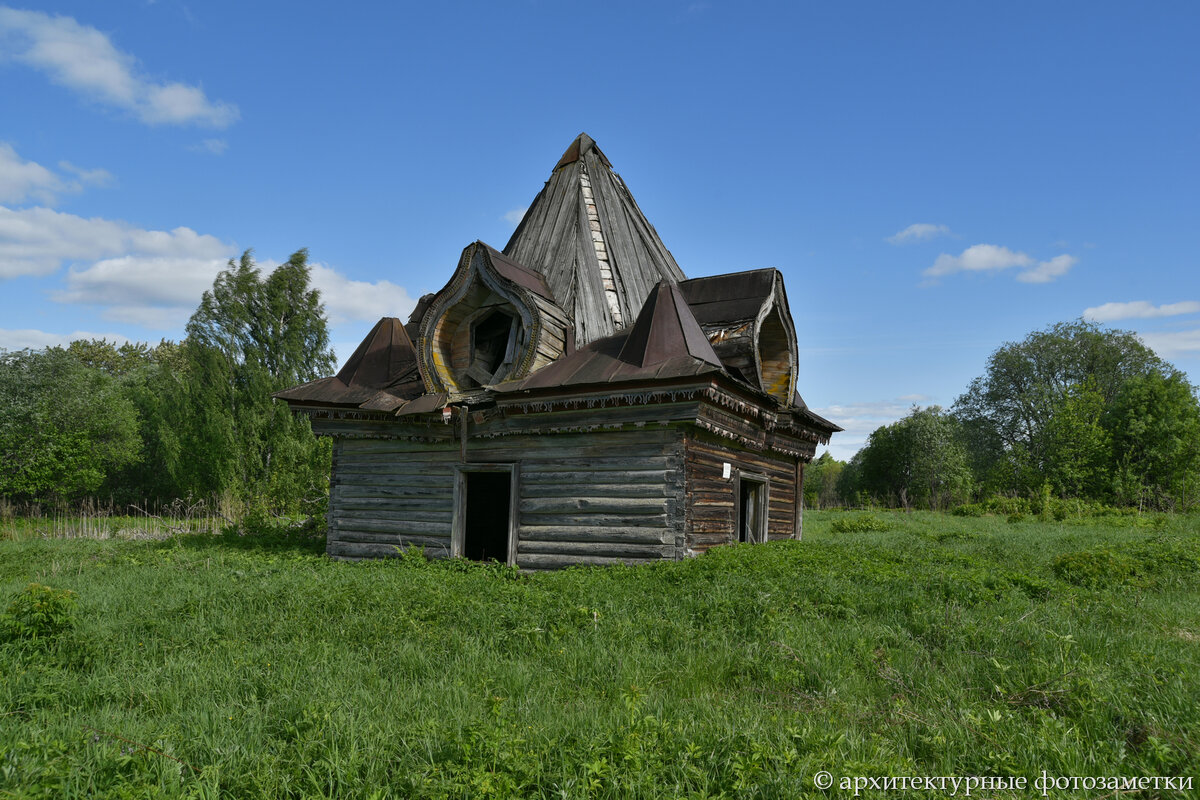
586,235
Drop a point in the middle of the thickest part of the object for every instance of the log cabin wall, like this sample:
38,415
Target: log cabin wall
710,516
582,499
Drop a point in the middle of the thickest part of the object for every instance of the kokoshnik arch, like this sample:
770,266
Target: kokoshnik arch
571,399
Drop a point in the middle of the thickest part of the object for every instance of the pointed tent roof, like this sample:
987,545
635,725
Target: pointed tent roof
586,235
666,328
385,354
381,374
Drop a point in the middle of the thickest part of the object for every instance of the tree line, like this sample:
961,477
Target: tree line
1076,411
192,419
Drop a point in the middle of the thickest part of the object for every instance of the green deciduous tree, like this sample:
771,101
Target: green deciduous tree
64,426
251,336
1077,447
1006,413
919,459
821,482
1154,424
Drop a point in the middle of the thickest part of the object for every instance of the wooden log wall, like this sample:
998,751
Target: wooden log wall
711,502
593,498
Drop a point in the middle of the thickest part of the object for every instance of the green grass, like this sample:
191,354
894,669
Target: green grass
211,666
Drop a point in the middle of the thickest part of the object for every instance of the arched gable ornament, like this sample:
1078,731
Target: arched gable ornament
494,321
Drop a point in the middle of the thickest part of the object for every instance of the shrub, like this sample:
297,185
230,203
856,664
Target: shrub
38,612
859,523
968,510
1095,568
998,504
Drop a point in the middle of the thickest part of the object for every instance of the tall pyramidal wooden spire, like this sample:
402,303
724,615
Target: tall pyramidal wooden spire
586,235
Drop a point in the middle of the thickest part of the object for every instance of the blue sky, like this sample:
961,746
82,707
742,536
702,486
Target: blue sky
933,179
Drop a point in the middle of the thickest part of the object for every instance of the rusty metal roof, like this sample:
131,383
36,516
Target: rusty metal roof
665,328
381,375
729,298
518,274
581,146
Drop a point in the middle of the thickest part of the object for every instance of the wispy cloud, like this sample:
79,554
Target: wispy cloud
1173,344
860,420
155,278
919,232
20,339
1047,271
86,61
1139,309
994,258
40,241
22,180
515,216
349,300
214,147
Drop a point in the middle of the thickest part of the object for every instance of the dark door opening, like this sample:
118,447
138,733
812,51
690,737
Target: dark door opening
752,515
485,530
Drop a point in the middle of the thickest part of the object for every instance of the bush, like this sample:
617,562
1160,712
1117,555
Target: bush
38,612
860,523
1004,506
1095,568
968,510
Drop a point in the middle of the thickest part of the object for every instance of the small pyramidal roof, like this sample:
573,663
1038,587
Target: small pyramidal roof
666,328
586,235
385,355
381,375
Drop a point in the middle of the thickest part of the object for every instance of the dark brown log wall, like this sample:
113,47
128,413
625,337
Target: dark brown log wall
710,507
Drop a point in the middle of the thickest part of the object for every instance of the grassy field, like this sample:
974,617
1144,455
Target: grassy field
218,666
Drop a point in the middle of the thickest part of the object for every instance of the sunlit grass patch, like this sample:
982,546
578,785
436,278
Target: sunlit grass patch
251,665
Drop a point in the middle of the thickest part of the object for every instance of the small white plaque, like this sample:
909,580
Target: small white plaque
726,470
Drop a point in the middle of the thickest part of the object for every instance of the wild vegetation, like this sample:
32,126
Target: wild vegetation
913,644
1076,410
122,426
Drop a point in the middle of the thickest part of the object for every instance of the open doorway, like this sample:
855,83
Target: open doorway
751,510
484,518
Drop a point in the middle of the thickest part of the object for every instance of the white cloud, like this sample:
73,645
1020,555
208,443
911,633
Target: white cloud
22,180
978,258
37,340
156,278
89,177
39,241
347,299
85,60
994,258
1047,271
859,421
1139,309
155,292
918,232
1173,344
516,215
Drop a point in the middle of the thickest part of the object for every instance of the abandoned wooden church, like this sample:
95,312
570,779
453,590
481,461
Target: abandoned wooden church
572,399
